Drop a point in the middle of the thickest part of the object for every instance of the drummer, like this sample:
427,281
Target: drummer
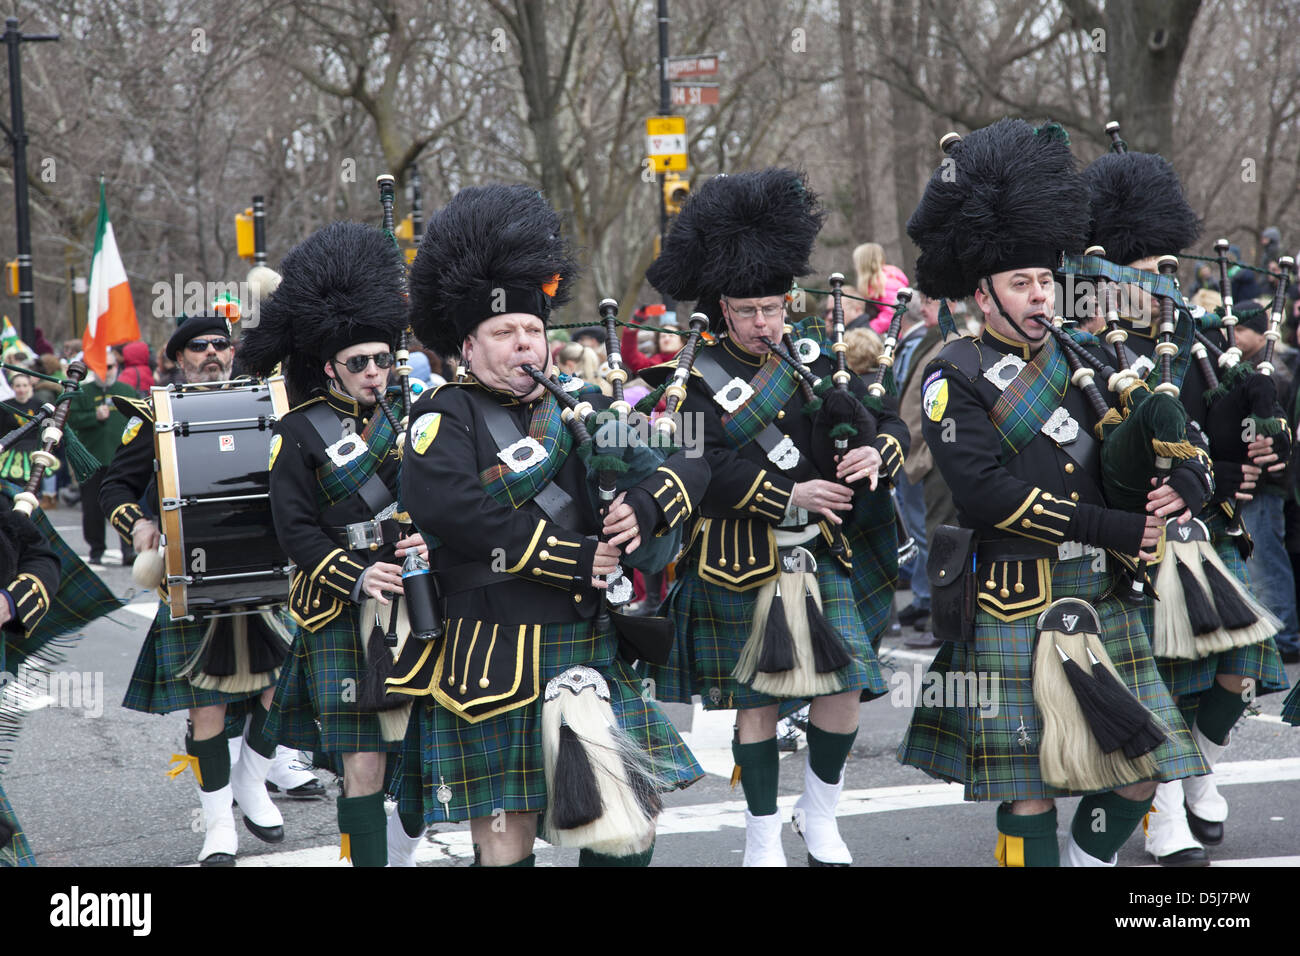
186,665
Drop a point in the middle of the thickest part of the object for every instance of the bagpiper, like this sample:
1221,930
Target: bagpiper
529,703
793,562
1139,213
1023,589
332,325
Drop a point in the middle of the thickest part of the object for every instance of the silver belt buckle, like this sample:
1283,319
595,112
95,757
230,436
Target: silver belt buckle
1069,550
365,535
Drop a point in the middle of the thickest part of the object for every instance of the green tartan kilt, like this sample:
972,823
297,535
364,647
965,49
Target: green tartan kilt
155,688
1291,707
983,752
19,851
496,763
1261,661
315,702
713,624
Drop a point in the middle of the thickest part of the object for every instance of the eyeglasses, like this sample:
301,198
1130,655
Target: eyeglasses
772,311
359,363
201,345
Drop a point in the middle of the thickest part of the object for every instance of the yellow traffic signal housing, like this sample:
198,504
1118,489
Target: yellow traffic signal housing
244,243
676,189
405,230
11,277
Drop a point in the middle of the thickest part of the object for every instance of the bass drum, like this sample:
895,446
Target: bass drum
213,446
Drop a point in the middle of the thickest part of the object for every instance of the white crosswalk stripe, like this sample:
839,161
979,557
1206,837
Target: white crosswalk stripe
447,846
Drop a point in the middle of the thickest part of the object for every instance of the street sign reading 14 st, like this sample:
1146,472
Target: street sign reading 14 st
665,138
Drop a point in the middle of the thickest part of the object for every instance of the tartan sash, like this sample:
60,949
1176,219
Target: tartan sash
773,386
1029,400
335,483
547,427
1096,267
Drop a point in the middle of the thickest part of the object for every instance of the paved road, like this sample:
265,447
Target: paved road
88,780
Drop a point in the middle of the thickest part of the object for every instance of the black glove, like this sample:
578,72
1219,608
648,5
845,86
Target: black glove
1107,528
1193,482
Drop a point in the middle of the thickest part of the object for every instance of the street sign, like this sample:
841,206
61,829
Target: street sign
699,64
666,142
694,94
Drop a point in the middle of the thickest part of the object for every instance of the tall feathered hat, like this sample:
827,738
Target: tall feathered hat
1008,196
339,286
491,251
1138,207
744,236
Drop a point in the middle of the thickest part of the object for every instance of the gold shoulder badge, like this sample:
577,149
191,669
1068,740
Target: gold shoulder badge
132,428
276,442
934,400
424,430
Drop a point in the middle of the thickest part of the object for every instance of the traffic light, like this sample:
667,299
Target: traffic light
245,245
676,189
405,230
11,277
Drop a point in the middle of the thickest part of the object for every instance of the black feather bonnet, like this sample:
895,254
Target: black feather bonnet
492,250
341,285
1008,196
1138,207
744,236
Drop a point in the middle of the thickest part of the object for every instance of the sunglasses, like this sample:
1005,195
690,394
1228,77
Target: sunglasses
201,345
359,363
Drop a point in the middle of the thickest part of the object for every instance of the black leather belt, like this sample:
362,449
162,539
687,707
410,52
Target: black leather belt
1014,549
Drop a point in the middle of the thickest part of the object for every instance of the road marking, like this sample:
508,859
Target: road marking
147,609
455,845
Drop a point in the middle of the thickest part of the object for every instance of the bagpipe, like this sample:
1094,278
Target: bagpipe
618,457
842,420
419,618
52,423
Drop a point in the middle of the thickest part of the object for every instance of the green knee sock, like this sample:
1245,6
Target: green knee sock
760,768
412,823
256,737
1219,709
827,752
1027,840
363,822
214,761
592,858
1104,822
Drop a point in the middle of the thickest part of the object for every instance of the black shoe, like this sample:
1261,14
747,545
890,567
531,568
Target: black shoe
912,614
96,557
265,834
1192,856
1209,832
218,859
312,790
128,558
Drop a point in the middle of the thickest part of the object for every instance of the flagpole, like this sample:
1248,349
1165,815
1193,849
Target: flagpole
18,139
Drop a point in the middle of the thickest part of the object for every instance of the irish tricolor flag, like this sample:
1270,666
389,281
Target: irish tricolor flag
110,314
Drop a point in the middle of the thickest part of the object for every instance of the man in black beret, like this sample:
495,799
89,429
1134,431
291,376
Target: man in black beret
170,671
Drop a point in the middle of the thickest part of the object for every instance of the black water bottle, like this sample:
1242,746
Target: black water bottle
421,600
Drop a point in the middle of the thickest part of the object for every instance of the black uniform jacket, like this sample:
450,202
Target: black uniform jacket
749,494
29,568
1048,494
542,568
328,571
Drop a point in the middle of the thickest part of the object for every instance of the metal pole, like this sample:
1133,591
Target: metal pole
22,215
259,230
665,109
